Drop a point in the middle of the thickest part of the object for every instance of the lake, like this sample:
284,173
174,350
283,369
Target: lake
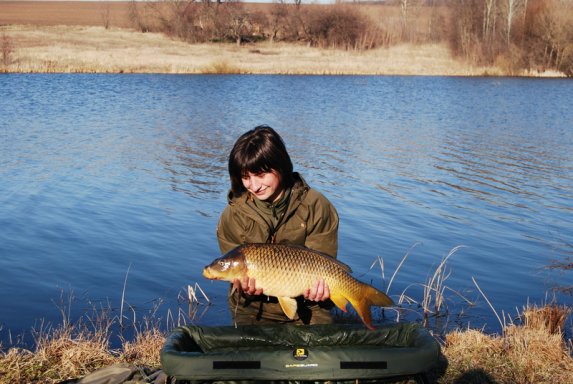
111,187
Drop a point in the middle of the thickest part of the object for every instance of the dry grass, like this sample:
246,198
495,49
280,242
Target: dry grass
75,351
532,353
88,49
550,317
521,355
145,348
66,352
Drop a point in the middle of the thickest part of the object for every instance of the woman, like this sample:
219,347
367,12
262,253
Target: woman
269,203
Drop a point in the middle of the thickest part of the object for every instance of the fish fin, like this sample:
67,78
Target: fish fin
339,300
368,297
378,298
288,306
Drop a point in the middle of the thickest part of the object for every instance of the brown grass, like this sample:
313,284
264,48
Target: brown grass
523,354
96,49
74,351
550,317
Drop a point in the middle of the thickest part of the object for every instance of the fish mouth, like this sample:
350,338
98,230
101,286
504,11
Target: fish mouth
209,275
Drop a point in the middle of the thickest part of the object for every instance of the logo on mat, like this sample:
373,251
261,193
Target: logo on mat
300,353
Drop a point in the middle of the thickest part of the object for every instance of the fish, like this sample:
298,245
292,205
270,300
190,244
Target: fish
286,271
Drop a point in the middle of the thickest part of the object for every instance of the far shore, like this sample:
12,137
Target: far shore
71,37
95,49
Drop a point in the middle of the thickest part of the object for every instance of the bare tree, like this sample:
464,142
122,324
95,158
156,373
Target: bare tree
512,7
404,8
488,20
239,22
106,15
278,18
136,17
551,36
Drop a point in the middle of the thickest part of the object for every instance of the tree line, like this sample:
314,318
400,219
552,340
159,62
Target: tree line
511,34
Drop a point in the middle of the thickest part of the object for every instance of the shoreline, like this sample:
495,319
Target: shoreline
531,351
95,49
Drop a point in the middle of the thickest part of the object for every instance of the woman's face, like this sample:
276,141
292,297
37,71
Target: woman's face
265,186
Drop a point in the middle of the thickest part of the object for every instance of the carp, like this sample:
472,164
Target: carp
286,271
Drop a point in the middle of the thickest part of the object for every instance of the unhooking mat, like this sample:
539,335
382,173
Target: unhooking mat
295,352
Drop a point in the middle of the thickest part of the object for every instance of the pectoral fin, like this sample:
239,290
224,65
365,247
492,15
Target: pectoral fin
288,306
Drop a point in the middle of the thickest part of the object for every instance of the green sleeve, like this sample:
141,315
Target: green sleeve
322,226
227,231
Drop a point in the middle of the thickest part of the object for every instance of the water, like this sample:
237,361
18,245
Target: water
108,180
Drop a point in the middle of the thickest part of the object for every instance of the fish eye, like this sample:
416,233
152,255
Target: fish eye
223,265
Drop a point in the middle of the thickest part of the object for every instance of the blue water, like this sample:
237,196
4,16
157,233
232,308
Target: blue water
108,180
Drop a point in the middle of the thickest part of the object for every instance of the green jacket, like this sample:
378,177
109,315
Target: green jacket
310,220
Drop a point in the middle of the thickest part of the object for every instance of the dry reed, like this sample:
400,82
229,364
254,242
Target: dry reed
550,317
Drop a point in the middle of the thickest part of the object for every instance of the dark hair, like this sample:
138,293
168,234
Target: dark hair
259,150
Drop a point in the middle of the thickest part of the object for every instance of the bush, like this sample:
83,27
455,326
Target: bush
340,26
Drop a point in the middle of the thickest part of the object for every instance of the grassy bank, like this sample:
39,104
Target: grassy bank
532,352
91,49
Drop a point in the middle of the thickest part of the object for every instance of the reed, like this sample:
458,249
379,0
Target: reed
550,317
197,302
501,322
433,299
123,297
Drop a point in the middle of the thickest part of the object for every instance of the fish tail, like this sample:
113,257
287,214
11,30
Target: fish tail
367,297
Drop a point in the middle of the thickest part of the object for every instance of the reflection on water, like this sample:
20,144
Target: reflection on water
101,174
196,165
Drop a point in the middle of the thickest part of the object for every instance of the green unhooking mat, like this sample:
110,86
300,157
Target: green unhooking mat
295,352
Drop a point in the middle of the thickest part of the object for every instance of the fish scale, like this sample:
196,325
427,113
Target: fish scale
287,271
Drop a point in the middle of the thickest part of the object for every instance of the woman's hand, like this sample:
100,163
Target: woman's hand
248,285
318,292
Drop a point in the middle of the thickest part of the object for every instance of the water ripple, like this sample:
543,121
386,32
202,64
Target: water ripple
98,173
